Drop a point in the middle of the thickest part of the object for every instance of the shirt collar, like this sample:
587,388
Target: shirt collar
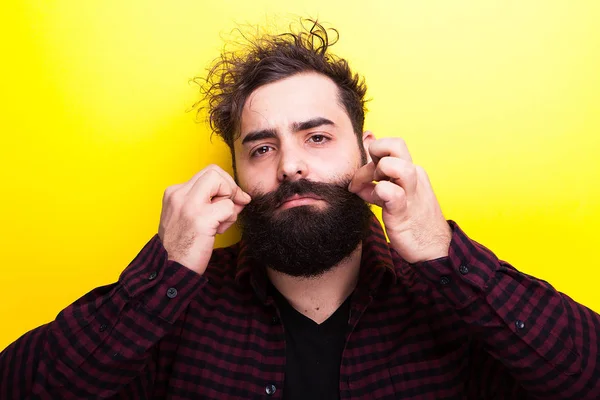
376,265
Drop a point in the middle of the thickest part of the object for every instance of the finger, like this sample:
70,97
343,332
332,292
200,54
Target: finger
390,196
367,193
183,189
169,192
223,174
398,171
237,209
239,197
211,186
226,224
213,168
186,186
363,176
223,211
394,147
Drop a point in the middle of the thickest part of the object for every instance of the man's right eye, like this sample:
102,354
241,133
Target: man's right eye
260,151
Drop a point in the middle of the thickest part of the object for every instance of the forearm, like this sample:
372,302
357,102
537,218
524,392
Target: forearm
547,341
104,341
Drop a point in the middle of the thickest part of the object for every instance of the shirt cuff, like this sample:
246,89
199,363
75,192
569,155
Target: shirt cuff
163,287
465,274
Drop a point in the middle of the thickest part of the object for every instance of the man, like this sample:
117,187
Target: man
313,303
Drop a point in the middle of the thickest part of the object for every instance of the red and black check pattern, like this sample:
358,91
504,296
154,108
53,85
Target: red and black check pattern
463,327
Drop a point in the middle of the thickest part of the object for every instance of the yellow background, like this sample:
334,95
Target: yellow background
498,100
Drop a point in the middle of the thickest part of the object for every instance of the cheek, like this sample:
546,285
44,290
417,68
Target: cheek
244,183
253,181
341,167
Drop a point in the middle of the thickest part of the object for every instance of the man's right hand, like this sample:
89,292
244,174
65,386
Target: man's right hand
195,211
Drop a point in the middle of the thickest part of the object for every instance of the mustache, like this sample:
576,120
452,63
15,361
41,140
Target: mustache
304,241
336,192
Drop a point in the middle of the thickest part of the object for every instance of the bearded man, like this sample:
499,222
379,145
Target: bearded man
313,302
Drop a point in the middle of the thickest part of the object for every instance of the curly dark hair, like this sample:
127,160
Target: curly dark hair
267,58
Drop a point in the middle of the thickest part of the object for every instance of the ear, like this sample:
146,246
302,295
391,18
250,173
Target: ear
367,139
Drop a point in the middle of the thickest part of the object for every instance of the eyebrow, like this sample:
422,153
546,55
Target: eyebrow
296,127
310,124
259,135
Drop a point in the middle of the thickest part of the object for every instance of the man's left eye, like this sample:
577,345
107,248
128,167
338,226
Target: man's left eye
318,138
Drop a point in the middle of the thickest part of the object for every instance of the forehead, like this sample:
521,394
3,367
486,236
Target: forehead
296,98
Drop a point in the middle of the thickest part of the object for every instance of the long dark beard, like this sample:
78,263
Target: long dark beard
304,241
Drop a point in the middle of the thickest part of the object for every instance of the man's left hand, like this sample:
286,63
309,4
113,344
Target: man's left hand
411,213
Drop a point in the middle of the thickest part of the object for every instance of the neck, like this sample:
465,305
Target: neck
317,298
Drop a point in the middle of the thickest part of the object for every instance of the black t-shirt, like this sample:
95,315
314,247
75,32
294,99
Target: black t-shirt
313,352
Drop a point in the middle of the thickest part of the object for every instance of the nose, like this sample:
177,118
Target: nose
291,166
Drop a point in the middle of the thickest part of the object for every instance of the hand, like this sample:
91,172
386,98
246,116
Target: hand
195,211
411,213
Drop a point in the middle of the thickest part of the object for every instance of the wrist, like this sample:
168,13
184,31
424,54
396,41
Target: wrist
424,247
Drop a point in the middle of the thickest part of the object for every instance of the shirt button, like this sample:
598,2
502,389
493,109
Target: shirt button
270,390
444,280
103,327
275,320
171,293
152,275
463,269
519,324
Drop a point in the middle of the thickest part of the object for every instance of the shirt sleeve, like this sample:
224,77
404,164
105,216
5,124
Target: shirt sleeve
102,344
547,341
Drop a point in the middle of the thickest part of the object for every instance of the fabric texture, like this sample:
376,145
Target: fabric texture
466,326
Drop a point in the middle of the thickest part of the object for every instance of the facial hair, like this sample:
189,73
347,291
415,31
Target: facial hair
307,240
